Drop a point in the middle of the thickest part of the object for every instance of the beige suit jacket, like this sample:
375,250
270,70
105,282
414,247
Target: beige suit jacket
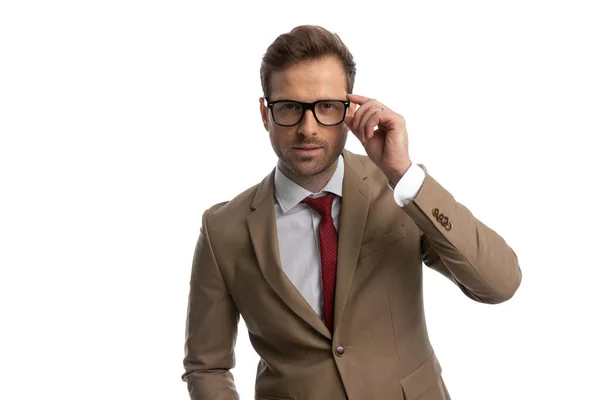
380,347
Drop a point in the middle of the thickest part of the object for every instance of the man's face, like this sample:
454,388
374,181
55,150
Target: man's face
309,81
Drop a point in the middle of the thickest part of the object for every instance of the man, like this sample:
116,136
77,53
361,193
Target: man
323,258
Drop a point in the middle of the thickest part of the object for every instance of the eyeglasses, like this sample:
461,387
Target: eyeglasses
290,112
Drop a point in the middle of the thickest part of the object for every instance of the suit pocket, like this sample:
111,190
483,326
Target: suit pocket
381,242
425,383
265,397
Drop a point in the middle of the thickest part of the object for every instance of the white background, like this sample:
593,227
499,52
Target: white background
122,121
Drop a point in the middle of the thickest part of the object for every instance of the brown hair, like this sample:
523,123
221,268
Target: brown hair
303,43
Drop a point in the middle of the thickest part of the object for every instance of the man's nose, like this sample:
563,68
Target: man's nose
308,124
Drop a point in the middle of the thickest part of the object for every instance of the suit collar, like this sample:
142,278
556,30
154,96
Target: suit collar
263,236
353,218
353,215
353,162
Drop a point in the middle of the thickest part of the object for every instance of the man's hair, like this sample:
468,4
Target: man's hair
305,43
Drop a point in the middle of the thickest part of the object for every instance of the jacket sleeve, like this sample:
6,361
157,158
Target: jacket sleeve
211,327
462,248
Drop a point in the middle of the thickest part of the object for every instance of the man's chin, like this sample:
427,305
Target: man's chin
308,166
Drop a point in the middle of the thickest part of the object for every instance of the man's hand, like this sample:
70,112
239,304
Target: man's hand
386,146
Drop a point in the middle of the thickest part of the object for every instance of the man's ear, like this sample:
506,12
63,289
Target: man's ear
264,113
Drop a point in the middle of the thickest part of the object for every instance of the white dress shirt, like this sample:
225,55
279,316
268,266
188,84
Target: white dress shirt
298,226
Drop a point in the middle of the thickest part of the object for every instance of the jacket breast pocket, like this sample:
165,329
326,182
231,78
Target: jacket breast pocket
382,242
425,383
265,397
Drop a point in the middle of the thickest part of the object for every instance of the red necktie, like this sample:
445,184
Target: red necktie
328,244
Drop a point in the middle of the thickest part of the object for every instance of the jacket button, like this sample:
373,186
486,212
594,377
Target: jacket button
339,350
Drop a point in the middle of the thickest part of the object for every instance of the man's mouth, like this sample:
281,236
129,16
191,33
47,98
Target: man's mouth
306,150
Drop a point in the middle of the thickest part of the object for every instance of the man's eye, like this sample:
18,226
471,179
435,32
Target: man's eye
288,106
329,106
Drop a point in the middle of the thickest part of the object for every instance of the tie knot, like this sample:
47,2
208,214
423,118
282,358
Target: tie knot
322,204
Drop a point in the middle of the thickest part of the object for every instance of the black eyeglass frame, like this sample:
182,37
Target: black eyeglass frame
307,106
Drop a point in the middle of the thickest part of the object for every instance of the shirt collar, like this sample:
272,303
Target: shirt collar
289,193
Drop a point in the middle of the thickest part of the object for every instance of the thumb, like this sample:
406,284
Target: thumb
349,120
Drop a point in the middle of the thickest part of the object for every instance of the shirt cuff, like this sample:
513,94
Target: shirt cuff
409,185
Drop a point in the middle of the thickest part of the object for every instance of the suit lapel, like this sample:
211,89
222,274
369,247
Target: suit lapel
263,234
353,217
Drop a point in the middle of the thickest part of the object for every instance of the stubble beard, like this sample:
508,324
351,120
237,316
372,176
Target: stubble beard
309,168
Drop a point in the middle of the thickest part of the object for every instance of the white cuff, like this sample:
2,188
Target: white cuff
409,185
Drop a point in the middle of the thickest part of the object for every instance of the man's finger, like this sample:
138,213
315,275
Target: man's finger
356,98
363,113
371,123
370,117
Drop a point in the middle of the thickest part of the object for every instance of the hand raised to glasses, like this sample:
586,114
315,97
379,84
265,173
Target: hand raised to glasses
386,146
